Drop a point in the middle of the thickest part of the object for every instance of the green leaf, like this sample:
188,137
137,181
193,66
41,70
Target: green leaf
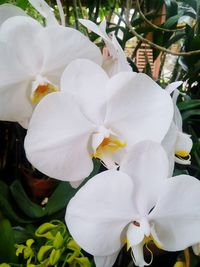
64,192
175,38
189,104
172,21
6,205
171,7
22,4
25,204
21,235
60,198
7,244
190,113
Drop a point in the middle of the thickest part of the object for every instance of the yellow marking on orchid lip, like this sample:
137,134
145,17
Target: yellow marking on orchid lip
150,238
179,263
128,244
109,145
182,153
41,91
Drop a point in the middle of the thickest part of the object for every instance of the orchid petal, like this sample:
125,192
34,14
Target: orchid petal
168,144
87,81
8,10
61,12
102,26
177,115
17,32
138,255
98,214
105,261
117,61
176,216
196,249
135,235
99,30
138,108
71,45
10,73
183,161
183,144
57,138
123,65
45,10
14,103
141,164
172,86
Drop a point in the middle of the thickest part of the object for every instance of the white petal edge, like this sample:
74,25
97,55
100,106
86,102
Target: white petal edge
138,108
172,86
8,10
87,81
176,216
141,164
71,45
57,139
45,10
105,202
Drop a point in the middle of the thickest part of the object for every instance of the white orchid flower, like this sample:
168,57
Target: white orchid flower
196,249
177,144
8,11
115,61
33,58
94,116
47,12
135,205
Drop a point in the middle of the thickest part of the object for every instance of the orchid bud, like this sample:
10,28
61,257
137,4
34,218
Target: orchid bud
44,230
196,249
58,241
54,256
43,252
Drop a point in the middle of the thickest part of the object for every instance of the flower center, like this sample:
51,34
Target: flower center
41,91
182,153
41,87
108,145
140,232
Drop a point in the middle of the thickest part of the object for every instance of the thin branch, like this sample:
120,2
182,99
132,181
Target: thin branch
187,257
112,9
152,24
161,48
81,8
119,21
135,50
67,18
75,14
97,10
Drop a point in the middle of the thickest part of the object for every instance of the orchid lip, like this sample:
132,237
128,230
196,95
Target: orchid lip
41,86
105,141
